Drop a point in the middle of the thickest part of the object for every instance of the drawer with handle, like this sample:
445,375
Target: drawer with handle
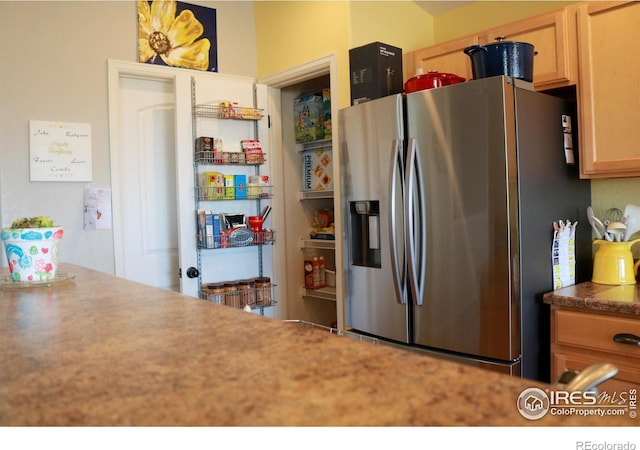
612,334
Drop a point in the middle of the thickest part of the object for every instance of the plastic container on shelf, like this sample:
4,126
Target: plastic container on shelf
215,293
247,293
263,291
330,277
231,294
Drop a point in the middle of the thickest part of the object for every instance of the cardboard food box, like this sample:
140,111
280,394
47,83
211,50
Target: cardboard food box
229,187
240,184
308,115
317,170
327,234
252,151
323,226
258,186
376,71
209,235
326,112
217,230
208,229
204,144
212,186
202,230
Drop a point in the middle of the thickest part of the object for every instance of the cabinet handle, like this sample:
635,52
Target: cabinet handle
627,338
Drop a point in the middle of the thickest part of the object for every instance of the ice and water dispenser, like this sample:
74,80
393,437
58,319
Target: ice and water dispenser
365,233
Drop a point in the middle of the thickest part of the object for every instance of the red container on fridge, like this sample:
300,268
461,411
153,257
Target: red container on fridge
430,80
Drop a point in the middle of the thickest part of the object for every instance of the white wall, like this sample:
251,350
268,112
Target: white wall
53,66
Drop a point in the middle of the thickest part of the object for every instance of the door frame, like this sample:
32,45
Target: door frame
315,68
181,80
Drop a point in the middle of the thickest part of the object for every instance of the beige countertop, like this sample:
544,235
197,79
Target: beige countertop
598,297
100,350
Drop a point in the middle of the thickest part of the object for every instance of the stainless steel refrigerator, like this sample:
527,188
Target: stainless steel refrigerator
450,195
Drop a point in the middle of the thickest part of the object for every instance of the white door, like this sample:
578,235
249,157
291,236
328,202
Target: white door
148,182
152,175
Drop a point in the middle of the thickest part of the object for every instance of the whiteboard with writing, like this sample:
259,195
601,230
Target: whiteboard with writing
60,151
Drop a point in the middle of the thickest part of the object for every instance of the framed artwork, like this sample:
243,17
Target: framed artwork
59,151
177,34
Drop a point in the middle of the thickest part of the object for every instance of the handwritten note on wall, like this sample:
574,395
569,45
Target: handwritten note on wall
97,209
60,151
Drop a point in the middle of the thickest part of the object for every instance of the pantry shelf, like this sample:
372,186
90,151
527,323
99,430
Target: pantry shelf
239,237
227,111
210,157
322,244
314,145
254,298
313,195
218,193
325,293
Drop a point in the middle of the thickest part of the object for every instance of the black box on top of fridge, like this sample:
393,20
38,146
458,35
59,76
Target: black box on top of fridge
376,71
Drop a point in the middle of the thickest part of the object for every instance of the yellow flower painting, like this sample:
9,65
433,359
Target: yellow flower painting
170,33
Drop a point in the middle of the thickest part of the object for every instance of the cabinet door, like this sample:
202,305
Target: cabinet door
582,338
628,376
549,34
448,57
609,90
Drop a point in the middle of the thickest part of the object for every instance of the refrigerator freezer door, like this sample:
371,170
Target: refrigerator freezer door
372,154
466,152
562,194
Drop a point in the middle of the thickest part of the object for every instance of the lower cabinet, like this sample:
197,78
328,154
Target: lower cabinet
580,338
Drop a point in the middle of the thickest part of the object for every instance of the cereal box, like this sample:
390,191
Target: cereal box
317,170
308,116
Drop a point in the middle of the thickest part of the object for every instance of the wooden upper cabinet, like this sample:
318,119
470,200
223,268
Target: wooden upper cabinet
590,45
448,57
609,90
555,62
552,35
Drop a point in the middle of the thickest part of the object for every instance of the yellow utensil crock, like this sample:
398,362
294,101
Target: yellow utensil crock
613,263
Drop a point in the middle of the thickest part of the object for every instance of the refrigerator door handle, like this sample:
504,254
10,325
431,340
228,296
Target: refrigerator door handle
415,223
394,174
